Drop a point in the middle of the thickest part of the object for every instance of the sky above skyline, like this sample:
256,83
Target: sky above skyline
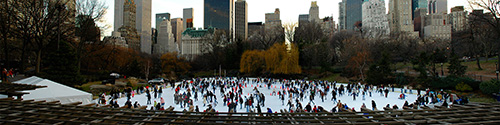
289,9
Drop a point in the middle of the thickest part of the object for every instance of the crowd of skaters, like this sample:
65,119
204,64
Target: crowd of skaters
293,92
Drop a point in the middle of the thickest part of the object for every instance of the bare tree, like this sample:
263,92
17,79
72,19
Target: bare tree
265,38
88,13
493,7
37,21
6,26
95,9
290,31
213,48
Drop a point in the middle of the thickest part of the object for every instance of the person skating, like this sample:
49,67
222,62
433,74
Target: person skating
308,107
155,91
282,99
374,105
137,105
395,106
386,92
160,91
311,99
149,97
128,104
334,96
269,111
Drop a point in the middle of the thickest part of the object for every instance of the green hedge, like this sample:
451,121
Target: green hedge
451,82
489,87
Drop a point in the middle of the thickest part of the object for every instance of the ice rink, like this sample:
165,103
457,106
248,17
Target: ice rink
275,103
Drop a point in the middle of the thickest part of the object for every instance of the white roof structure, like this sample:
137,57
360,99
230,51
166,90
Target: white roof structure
54,91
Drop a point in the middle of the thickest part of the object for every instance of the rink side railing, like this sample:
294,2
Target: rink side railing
16,111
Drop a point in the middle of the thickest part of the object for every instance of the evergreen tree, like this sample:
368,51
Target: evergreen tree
61,65
456,68
133,68
380,72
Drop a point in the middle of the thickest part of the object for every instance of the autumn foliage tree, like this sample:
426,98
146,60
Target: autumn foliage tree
279,59
357,55
173,64
252,61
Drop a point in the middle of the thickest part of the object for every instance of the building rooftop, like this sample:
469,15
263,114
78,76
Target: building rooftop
198,33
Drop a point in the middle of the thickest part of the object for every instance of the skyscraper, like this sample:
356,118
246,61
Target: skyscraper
187,15
165,39
341,15
350,13
436,26
177,28
273,20
219,14
400,16
303,19
118,20
129,14
128,29
143,26
314,12
458,18
438,6
417,4
375,23
241,19
160,17
418,21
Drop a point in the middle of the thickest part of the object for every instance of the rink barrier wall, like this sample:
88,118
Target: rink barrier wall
17,111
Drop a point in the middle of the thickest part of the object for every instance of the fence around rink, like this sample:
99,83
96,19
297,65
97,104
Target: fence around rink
16,111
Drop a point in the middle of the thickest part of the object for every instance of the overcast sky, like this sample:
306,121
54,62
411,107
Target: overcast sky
290,9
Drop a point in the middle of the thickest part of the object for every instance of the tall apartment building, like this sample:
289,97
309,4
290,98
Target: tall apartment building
438,6
314,12
327,25
400,17
273,20
436,26
177,28
418,4
418,21
241,19
341,15
303,19
458,18
118,19
165,39
128,28
219,14
375,22
350,13
187,15
143,26
160,17
254,28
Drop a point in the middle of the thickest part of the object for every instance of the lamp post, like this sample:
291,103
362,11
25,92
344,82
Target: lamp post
496,66
442,72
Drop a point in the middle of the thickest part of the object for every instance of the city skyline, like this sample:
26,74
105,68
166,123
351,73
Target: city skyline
256,11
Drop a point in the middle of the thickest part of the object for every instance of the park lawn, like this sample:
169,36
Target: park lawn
482,99
472,68
205,73
488,67
336,77
86,86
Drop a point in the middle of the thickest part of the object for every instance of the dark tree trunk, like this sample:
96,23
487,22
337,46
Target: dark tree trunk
478,63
